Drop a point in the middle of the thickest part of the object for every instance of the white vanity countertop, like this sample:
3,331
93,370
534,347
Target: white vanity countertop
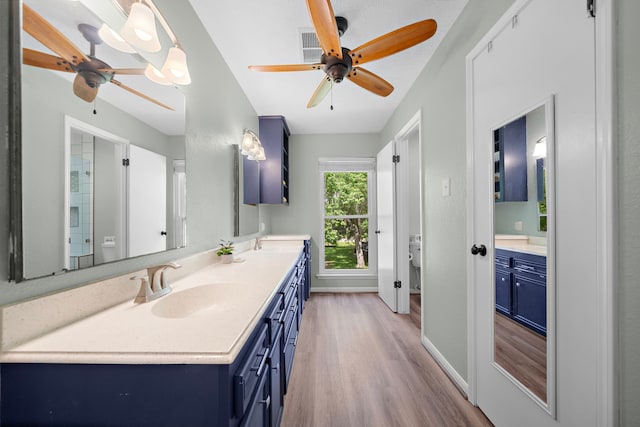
176,328
519,244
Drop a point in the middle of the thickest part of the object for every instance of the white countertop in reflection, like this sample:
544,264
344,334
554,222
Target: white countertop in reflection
150,333
519,243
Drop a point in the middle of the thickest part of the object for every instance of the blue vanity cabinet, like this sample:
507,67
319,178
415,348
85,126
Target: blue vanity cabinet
274,171
248,392
510,162
521,288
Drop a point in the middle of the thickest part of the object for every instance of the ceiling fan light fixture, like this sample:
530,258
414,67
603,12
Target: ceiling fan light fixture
156,76
175,67
140,28
113,39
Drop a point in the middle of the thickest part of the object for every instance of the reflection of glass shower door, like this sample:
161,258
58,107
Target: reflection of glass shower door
81,203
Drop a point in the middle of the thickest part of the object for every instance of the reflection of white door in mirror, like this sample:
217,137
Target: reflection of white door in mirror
147,221
94,198
506,82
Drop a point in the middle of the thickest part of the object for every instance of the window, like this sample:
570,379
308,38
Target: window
348,216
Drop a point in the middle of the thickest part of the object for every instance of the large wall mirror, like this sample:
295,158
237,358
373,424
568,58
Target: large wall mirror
104,179
523,160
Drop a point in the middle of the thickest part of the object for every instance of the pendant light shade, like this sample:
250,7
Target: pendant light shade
260,154
156,76
113,39
248,142
175,67
540,149
140,29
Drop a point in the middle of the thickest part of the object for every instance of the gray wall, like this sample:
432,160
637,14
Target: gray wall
440,93
303,213
628,126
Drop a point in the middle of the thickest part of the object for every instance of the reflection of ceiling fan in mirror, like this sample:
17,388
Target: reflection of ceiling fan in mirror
339,62
90,71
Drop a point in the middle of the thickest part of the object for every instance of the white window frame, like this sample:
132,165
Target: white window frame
350,164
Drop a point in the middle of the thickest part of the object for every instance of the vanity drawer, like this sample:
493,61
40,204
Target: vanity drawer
246,379
531,264
291,315
275,317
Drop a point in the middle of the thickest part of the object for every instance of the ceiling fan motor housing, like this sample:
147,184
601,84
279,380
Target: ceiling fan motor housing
91,72
337,68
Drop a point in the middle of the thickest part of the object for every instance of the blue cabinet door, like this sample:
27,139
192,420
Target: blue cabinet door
503,292
511,165
274,171
276,381
530,302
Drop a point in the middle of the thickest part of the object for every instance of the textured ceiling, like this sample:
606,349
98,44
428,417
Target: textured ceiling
259,32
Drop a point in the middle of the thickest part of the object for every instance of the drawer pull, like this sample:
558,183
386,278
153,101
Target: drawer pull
263,362
525,268
281,318
266,402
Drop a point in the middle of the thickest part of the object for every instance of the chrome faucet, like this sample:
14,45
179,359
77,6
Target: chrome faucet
154,284
258,245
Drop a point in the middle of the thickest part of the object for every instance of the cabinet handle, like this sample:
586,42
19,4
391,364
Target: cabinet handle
266,402
263,362
503,279
518,284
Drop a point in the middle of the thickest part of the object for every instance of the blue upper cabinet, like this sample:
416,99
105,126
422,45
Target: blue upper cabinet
274,171
510,162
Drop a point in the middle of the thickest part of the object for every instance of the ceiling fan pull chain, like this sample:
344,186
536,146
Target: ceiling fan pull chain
331,97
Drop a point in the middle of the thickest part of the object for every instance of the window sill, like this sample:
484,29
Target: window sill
355,276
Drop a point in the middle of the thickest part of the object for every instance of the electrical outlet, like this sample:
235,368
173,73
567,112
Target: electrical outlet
518,226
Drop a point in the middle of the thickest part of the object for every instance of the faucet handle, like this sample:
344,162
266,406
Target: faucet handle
145,288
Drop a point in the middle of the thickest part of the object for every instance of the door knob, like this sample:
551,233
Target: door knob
482,250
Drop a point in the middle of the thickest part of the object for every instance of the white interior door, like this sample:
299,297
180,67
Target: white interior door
386,227
147,201
541,48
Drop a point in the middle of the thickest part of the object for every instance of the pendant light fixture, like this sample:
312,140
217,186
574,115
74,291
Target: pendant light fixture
140,28
540,149
113,39
156,76
175,67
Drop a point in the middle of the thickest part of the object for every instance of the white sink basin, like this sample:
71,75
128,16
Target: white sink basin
189,302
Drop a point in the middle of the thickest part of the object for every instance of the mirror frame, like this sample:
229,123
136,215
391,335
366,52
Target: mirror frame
14,103
12,9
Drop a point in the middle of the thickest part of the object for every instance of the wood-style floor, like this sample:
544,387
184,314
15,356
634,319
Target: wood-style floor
522,353
359,364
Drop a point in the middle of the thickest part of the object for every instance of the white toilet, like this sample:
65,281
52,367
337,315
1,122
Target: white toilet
109,249
415,258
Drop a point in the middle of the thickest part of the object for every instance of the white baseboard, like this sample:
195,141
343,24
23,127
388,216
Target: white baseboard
344,289
458,381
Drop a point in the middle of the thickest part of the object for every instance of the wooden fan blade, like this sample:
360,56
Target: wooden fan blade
291,67
394,42
44,60
140,94
321,91
50,37
122,71
324,23
370,81
83,91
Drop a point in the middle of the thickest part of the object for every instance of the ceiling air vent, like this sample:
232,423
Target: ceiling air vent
311,51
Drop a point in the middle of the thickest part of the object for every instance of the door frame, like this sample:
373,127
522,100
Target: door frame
123,146
401,142
607,242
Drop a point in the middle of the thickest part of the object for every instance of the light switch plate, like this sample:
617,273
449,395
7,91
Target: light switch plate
446,187
518,226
